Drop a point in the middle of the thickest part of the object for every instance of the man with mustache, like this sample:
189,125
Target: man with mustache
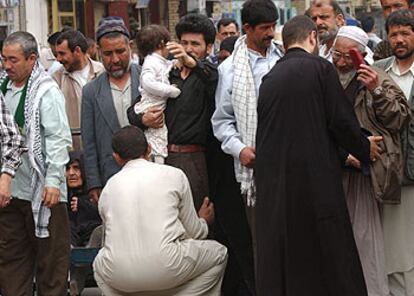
398,219
328,17
235,119
78,69
381,109
105,101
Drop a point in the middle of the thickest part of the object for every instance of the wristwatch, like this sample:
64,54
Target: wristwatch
378,91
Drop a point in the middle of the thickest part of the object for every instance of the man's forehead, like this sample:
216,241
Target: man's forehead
113,43
12,49
322,9
192,37
394,2
394,28
229,27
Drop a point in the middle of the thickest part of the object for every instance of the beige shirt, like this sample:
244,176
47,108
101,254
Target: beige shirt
151,227
404,80
122,101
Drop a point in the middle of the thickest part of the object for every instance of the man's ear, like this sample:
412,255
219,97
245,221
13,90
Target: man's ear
247,27
209,48
118,159
340,20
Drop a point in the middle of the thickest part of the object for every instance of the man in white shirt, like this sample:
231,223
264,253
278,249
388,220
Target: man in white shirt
78,69
154,241
398,220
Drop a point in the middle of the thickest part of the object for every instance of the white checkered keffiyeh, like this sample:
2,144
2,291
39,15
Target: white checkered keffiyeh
244,101
39,82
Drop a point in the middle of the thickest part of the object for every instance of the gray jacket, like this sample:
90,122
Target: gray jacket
99,122
407,136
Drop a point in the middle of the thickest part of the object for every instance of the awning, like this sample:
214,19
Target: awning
142,4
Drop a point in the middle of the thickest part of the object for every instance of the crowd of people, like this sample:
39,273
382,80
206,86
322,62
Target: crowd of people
216,163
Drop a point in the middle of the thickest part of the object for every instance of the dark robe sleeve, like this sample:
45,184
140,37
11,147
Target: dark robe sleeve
342,122
135,119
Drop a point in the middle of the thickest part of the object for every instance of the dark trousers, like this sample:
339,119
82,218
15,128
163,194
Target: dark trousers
194,166
24,256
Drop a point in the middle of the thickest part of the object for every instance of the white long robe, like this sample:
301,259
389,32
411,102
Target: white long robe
153,236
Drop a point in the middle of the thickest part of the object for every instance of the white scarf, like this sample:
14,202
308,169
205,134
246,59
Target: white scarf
244,99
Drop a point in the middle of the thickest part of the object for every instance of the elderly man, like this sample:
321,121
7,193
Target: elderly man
150,204
105,101
34,227
398,219
381,109
305,244
78,69
328,17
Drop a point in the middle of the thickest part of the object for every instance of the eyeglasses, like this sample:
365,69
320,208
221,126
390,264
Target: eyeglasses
336,55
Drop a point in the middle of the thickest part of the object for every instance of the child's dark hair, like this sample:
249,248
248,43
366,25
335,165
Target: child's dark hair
150,38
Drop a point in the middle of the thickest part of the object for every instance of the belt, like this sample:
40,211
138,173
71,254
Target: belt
185,148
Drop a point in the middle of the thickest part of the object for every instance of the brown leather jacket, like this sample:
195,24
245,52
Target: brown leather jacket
386,115
72,91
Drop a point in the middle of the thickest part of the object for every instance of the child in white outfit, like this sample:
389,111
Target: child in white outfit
155,87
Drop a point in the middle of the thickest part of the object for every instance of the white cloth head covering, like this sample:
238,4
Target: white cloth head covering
353,33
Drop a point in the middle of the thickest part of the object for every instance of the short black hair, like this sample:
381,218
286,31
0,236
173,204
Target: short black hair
150,38
401,17
367,23
228,43
196,23
74,39
129,143
225,22
52,38
255,12
297,29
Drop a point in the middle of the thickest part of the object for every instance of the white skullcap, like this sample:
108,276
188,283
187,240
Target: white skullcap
353,33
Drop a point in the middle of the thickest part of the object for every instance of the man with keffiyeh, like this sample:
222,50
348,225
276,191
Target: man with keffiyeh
34,227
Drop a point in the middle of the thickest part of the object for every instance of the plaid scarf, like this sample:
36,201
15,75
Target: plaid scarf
38,83
244,99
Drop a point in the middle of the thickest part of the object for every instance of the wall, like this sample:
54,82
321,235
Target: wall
36,12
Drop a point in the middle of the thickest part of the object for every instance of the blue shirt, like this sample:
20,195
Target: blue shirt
223,119
56,140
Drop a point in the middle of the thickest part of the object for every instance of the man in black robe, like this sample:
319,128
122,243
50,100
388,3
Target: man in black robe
305,245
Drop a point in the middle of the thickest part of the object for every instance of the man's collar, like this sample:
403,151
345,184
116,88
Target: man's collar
394,68
272,50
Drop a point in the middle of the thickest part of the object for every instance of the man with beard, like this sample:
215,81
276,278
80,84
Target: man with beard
381,109
105,101
78,69
305,244
328,17
383,49
399,219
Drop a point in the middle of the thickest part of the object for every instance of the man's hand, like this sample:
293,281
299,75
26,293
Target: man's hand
51,196
375,149
153,118
368,76
74,204
94,194
207,211
352,161
248,156
5,191
179,53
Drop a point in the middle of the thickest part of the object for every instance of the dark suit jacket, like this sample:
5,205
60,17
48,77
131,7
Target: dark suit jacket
98,123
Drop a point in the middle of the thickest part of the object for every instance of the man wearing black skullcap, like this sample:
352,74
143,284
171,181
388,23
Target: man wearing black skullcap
105,101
